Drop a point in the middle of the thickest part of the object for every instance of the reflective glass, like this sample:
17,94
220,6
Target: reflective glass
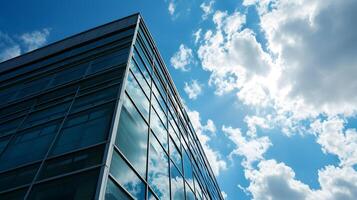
15,195
115,192
8,127
72,162
140,64
132,136
75,187
84,129
189,193
177,188
125,176
158,128
138,96
151,196
3,143
158,169
37,139
139,76
175,155
161,113
187,168
33,87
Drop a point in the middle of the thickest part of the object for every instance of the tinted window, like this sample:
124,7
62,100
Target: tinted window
139,76
84,129
17,177
158,128
36,139
115,192
108,61
69,75
74,187
132,136
177,188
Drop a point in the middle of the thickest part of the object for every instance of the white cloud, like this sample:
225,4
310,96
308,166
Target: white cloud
197,35
335,140
214,157
171,8
252,149
193,89
14,46
207,8
182,58
277,181
35,39
255,121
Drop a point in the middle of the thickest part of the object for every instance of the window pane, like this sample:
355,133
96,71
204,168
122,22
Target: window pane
139,76
72,162
33,87
161,113
158,129
187,168
189,193
175,155
158,169
68,75
138,96
37,139
132,136
151,196
126,177
3,142
114,192
14,195
74,187
108,61
17,177
84,129
8,127
46,115
177,188
95,98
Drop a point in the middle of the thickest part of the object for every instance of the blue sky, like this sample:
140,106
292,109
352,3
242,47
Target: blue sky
270,85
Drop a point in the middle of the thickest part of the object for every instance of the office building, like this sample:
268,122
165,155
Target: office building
97,116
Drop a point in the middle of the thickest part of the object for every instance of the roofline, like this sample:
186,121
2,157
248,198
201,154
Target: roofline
68,42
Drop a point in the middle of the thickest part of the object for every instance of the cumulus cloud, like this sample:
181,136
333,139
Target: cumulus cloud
12,46
207,9
277,181
252,149
193,89
213,156
35,39
182,58
334,139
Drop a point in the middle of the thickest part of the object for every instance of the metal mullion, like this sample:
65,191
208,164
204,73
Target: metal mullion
51,145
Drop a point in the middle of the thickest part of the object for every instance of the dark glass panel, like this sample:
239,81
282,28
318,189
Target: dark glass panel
84,129
37,140
108,61
139,76
3,143
158,169
175,155
74,187
56,96
14,195
132,136
47,114
138,96
33,87
18,108
105,79
8,127
115,192
126,177
68,75
96,98
158,128
17,177
177,187
72,162
8,94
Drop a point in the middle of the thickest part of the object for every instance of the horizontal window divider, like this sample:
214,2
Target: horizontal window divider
21,166
14,188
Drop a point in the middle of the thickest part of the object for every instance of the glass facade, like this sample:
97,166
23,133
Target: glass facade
99,118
